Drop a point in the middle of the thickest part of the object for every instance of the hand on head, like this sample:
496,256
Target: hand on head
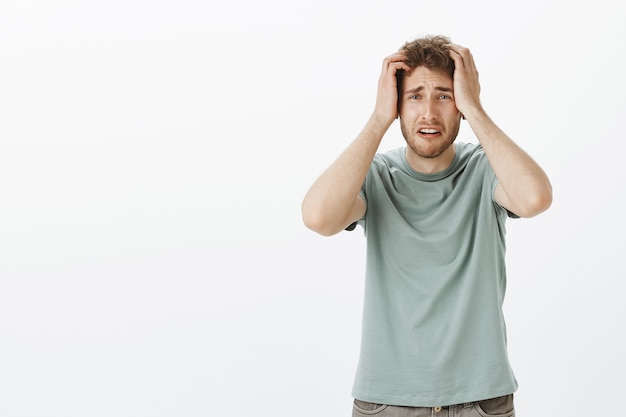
387,97
466,84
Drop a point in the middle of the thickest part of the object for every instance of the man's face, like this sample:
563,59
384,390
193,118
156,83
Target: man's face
429,118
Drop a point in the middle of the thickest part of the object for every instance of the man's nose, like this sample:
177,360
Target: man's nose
429,112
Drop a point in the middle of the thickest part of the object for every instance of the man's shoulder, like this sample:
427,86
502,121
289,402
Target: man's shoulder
470,154
468,148
387,160
390,156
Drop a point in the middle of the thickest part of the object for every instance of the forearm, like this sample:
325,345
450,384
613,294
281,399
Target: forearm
526,187
329,202
523,187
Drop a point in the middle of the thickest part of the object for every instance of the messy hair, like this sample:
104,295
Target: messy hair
430,52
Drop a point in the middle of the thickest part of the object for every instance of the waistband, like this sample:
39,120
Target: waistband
497,405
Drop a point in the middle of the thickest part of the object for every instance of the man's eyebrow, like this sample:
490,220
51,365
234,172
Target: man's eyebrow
421,88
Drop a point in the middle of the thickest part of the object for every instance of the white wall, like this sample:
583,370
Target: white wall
153,157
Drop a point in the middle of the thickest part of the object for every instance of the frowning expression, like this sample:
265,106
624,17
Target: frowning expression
429,118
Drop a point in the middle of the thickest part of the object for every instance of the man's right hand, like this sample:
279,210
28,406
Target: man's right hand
333,201
387,97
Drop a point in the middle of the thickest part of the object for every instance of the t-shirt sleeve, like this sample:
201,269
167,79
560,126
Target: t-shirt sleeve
494,183
363,195
361,221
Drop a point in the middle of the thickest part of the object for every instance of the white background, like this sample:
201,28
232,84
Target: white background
153,157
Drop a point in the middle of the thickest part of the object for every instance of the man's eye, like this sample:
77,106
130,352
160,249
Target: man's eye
444,97
414,97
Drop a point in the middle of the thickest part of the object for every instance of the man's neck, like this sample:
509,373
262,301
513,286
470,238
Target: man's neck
430,165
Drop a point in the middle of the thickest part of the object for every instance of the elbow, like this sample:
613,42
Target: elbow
319,226
317,223
536,204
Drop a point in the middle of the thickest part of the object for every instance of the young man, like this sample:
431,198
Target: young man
434,212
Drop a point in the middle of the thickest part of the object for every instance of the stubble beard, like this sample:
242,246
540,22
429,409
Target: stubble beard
435,149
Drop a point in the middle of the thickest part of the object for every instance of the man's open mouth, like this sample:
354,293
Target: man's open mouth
428,131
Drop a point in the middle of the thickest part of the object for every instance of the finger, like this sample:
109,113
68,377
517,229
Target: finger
461,50
397,66
456,57
398,57
461,55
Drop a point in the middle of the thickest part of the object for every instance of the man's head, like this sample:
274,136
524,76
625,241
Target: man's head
428,115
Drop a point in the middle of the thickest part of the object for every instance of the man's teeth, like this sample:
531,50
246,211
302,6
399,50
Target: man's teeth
429,131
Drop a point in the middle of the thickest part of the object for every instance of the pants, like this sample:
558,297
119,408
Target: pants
494,407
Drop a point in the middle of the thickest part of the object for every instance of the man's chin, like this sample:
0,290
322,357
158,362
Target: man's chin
429,151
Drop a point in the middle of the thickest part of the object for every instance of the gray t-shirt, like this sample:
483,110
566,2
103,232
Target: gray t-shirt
433,328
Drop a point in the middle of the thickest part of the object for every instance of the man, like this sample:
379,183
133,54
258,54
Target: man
433,337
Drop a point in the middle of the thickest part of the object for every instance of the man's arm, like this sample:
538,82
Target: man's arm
523,188
333,202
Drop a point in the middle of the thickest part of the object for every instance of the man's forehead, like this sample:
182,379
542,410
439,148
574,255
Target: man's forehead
422,77
427,73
